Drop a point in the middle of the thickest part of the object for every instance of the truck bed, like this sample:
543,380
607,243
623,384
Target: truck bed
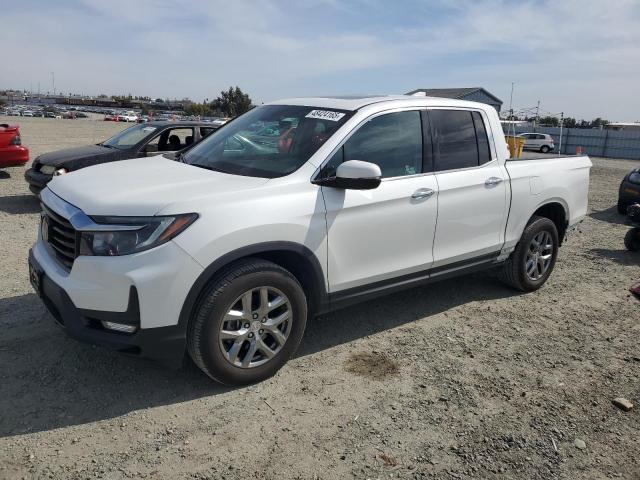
542,180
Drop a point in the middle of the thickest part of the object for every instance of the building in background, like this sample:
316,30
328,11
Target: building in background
635,126
473,94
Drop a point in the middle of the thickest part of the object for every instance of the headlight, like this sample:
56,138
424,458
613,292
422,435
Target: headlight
47,169
132,234
634,177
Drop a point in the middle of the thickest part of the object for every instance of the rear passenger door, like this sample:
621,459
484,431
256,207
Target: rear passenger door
472,197
376,235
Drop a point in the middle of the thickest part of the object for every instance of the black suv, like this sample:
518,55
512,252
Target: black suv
629,192
145,139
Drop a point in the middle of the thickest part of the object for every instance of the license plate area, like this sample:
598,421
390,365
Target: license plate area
35,277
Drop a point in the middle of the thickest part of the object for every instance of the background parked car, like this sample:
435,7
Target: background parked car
629,192
128,117
12,152
542,142
140,140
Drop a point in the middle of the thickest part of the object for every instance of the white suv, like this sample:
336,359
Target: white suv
293,209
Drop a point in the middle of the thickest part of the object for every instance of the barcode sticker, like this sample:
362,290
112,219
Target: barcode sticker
325,115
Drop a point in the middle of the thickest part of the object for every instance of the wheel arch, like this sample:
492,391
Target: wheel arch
557,212
294,257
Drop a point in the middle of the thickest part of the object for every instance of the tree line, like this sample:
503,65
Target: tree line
569,122
230,103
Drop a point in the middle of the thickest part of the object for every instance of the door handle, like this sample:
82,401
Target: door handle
492,181
422,193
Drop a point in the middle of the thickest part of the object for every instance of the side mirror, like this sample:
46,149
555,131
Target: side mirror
151,150
354,175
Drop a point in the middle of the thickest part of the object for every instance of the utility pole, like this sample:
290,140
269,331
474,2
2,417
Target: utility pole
53,82
561,120
537,116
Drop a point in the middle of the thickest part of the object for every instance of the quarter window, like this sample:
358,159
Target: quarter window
484,151
392,141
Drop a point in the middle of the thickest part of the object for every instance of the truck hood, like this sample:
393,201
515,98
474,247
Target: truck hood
78,156
144,186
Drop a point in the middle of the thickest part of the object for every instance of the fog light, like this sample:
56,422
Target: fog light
119,327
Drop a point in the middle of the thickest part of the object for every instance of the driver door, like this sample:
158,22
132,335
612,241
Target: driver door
384,233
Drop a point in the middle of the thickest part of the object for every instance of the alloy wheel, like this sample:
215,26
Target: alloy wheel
256,327
539,255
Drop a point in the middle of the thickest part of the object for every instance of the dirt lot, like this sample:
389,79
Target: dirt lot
459,379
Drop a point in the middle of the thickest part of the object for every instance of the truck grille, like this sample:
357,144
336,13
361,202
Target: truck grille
60,235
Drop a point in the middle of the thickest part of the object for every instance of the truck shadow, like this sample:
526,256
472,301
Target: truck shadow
622,256
20,204
610,215
50,381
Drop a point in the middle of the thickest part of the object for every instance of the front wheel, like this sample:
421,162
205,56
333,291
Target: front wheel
248,323
632,239
531,263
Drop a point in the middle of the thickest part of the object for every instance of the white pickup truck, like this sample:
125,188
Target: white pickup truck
293,209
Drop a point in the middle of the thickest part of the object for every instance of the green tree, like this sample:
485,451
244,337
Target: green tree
197,109
550,121
232,103
599,123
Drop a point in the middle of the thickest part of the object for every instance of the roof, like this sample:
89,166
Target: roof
356,103
452,92
340,103
186,123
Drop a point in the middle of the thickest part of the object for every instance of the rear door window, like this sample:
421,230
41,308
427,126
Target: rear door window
204,131
454,139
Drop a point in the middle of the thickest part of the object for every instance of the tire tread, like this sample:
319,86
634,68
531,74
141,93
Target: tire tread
511,271
209,296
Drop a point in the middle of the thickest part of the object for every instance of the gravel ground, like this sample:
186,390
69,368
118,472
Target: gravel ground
461,379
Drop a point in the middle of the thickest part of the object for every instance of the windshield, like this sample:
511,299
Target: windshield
130,137
269,141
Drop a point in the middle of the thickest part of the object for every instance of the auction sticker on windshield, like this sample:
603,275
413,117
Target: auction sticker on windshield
325,115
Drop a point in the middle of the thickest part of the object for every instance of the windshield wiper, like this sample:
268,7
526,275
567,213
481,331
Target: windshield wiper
206,167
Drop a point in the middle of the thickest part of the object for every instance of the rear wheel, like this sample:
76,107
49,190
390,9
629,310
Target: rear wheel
545,149
249,323
622,207
632,240
531,263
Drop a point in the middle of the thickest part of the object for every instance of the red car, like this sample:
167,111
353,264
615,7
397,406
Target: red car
12,153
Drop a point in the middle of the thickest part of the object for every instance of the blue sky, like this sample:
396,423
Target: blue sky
577,56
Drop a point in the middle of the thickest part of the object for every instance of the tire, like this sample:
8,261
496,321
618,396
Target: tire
632,239
622,207
206,343
514,270
545,149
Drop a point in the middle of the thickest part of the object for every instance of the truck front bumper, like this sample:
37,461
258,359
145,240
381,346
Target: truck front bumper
164,344
130,304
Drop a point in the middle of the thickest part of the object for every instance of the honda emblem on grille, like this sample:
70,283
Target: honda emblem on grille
44,226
